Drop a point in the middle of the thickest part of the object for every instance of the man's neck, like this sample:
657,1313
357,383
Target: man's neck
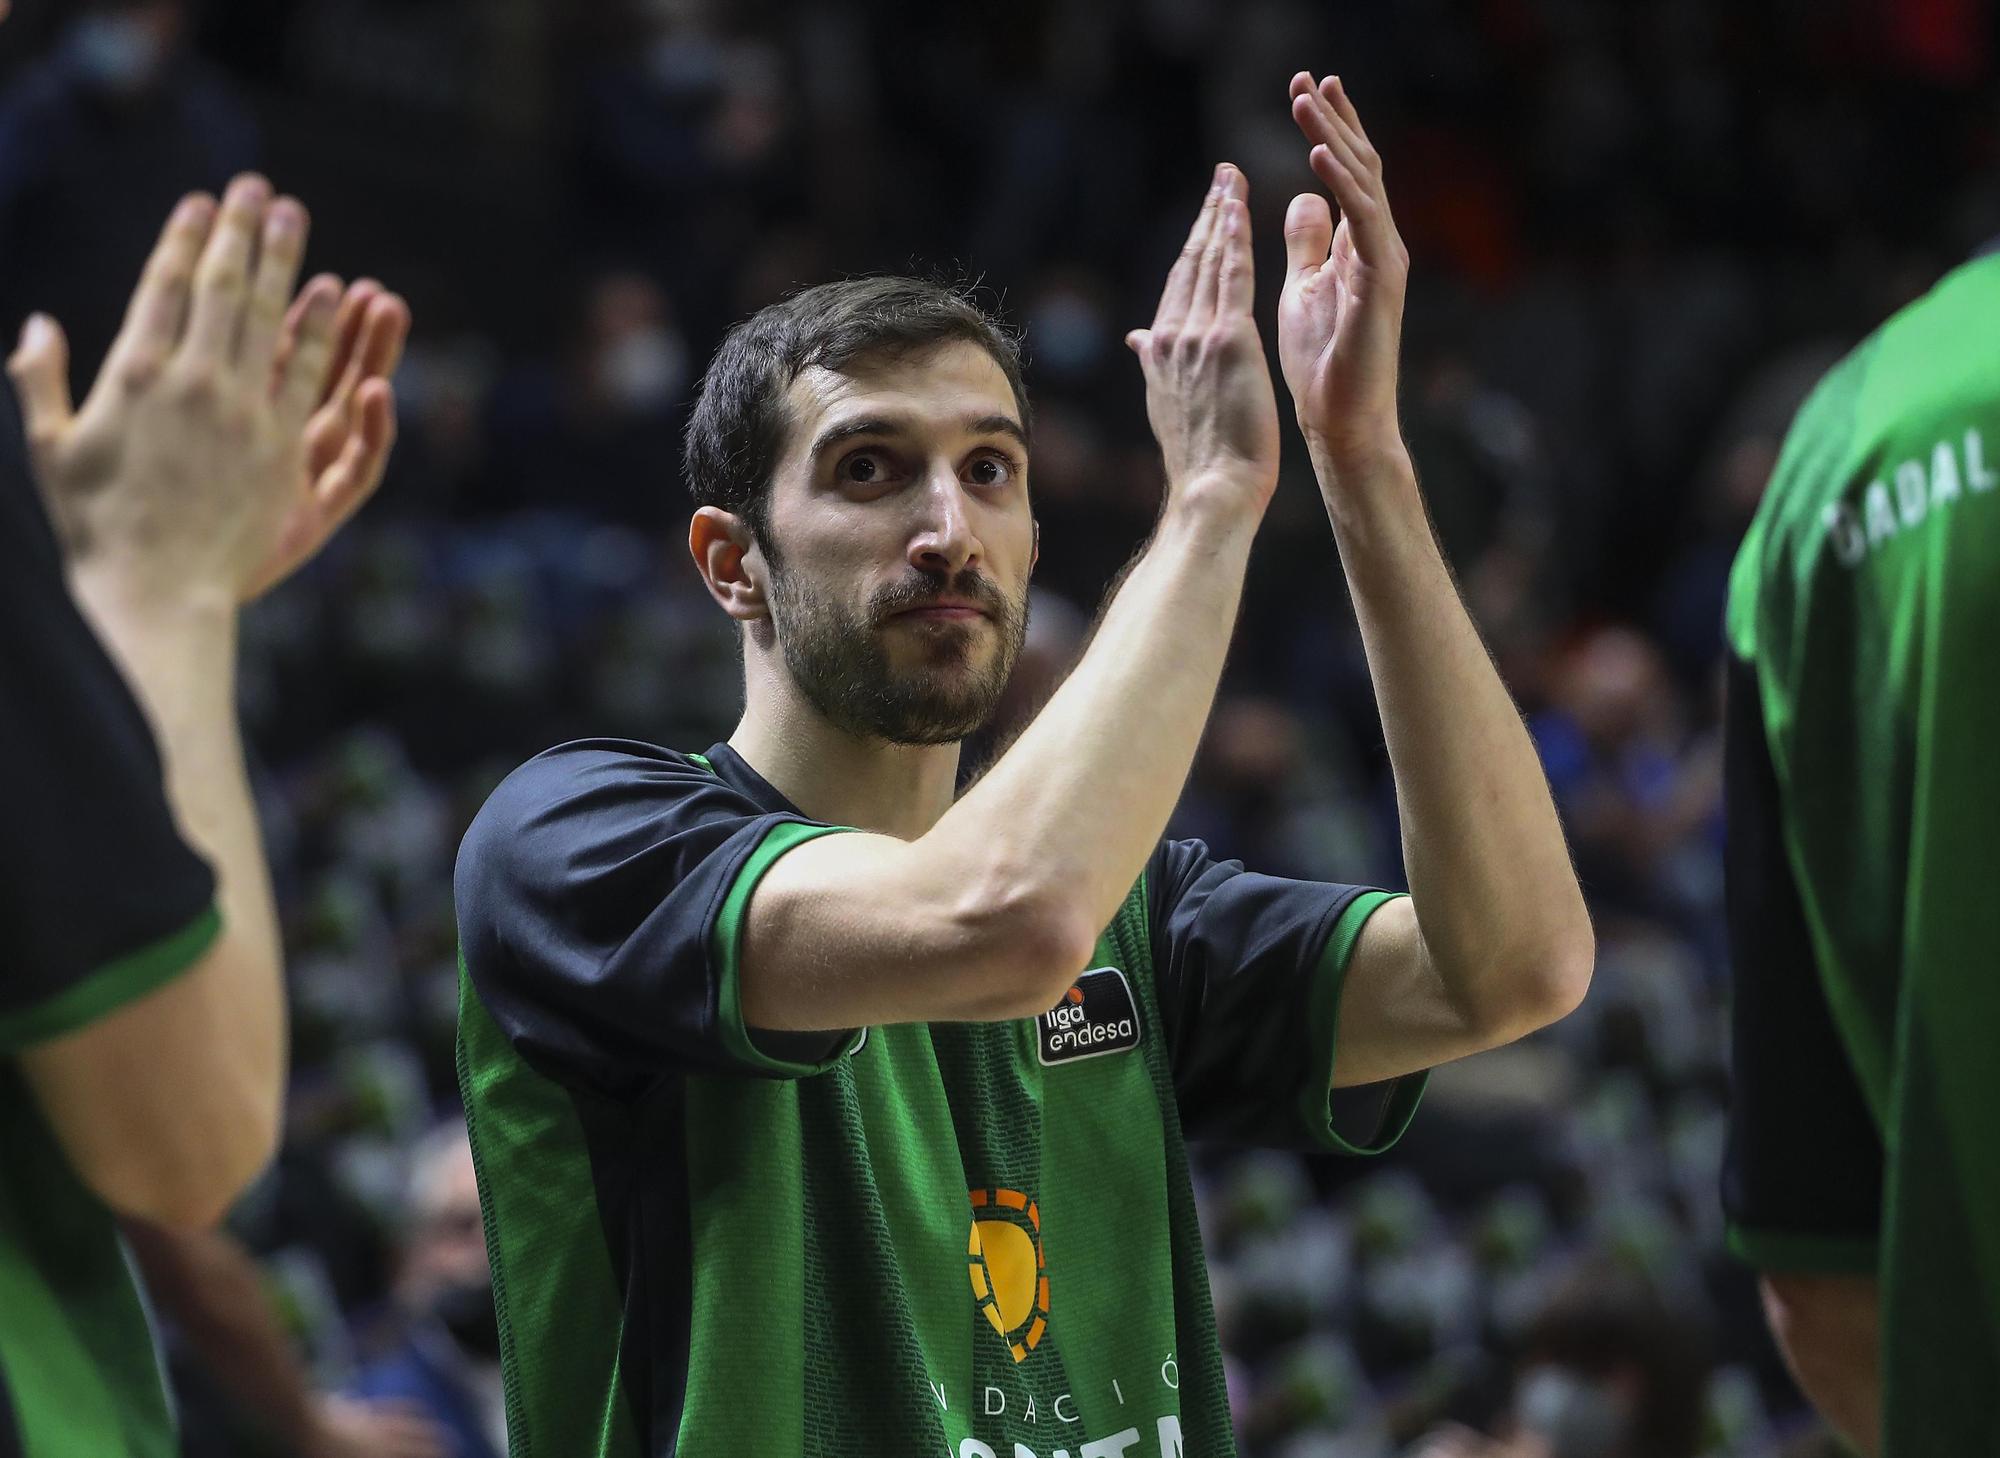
895,789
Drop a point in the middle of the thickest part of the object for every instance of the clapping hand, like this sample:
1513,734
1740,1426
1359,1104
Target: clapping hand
233,427
1340,317
1208,389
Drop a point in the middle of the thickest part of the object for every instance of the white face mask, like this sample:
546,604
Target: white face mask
120,53
1577,1417
645,369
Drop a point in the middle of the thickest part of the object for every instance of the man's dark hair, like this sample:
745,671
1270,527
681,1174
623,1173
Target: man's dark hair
738,425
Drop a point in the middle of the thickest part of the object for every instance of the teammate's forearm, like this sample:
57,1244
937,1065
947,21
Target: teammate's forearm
180,658
1082,797
1829,1329
212,1289
1502,919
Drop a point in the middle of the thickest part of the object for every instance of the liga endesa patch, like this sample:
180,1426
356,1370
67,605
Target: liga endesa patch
1098,1015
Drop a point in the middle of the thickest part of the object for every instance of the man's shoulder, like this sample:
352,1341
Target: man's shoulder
597,760
591,789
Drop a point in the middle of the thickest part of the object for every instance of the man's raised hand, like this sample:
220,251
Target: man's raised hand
1208,389
190,472
1340,316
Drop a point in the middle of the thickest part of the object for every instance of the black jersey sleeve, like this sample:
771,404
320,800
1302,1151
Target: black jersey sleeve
600,894
1249,969
100,898
1802,1178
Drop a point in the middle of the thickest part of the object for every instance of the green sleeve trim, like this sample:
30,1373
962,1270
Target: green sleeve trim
1826,1254
783,837
1323,1025
111,986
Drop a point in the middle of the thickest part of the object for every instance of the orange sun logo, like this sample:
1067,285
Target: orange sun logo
1009,1272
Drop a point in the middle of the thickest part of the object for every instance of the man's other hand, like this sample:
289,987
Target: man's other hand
1208,389
1340,317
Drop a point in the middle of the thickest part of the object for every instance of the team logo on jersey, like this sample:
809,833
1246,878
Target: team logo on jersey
1009,1273
1097,1016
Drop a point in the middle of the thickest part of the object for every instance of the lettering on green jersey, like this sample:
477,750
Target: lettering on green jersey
1915,490
1098,1016
1128,1442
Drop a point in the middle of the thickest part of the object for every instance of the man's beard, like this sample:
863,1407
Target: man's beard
840,663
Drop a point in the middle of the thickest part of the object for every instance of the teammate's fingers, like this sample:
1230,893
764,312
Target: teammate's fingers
357,472
385,331
39,368
375,427
361,296
1308,234
279,253
343,373
303,384
1181,278
288,336
222,278
158,310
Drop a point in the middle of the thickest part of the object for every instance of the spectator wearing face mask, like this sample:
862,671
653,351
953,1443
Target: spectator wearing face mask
1609,1369
97,142
445,1364
587,436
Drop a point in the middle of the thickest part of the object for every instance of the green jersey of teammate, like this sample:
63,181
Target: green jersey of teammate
103,903
1863,789
966,1239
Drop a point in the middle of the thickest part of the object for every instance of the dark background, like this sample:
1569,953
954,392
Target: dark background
1639,231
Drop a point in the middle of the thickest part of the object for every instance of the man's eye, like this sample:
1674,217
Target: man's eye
991,471
862,466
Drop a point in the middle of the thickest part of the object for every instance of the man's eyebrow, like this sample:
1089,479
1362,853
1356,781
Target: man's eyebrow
1005,425
877,425
833,435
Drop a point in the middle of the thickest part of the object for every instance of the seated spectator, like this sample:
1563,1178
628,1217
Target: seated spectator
445,1361
1608,1369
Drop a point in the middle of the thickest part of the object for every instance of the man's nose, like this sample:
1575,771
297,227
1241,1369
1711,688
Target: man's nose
946,542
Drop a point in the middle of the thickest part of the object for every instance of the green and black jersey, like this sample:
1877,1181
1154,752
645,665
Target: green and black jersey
946,1239
102,902
1864,843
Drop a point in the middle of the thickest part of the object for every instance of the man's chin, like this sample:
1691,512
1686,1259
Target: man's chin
943,709
949,651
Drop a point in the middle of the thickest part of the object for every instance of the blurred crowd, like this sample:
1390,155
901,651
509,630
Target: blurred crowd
1639,233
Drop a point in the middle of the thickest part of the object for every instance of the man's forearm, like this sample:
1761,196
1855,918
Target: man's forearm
1084,793
1496,900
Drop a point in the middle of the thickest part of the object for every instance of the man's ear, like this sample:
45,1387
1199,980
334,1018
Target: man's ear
1035,551
729,561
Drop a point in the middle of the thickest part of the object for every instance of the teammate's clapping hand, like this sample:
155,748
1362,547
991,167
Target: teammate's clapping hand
232,429
1340,316
349,436
1208,389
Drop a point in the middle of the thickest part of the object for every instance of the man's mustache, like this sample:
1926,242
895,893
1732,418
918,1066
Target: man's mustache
926,588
